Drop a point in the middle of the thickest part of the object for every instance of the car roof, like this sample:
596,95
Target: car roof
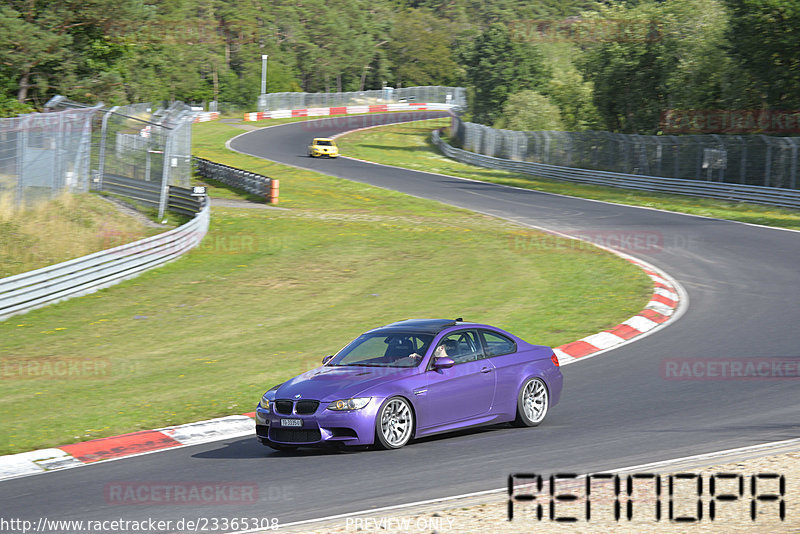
428,326
323,139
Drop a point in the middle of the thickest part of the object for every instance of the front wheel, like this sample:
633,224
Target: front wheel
394,424
533,401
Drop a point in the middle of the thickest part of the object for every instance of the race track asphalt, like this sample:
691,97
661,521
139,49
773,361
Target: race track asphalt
617,410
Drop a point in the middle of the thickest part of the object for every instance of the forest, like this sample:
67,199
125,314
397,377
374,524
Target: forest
548,64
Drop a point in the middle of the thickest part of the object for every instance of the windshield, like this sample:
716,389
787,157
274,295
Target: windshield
384,350
324,143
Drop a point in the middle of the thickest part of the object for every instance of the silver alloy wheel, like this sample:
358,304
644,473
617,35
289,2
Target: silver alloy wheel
535,401
396,423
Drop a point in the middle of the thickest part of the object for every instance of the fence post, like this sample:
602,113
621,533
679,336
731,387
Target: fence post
793,166
101,163
22,141
768,163
165,176
743,164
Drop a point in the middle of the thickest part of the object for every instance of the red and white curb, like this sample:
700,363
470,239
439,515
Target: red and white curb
126,445
668,297
344,110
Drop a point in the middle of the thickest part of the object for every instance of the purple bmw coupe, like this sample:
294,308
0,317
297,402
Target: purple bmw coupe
411,379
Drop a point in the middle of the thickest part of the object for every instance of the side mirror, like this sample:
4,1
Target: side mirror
326,359
443,363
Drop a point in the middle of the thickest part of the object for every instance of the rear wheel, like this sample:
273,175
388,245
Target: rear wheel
394,424
533,401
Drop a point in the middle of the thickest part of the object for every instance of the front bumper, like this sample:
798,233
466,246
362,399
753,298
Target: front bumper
322,428
331,154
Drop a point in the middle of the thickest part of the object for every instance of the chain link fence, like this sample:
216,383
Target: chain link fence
75,147
740,159
42,154
426,94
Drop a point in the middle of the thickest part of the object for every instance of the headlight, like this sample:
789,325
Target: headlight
349,404
266,399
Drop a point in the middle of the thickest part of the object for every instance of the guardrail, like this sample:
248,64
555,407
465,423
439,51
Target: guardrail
179,199
247,181
773,196
27,291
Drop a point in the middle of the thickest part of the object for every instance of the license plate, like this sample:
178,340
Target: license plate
291,422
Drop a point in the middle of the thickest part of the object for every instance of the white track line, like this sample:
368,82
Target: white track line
659,467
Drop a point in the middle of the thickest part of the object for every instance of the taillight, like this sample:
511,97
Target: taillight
555,359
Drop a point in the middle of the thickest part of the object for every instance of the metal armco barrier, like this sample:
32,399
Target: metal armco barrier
26,291
245,180
179,199
773,196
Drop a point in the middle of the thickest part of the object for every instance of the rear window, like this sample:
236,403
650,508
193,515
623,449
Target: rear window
497,344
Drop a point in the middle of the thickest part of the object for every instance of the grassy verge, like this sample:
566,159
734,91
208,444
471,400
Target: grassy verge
270,292
61,229
408,145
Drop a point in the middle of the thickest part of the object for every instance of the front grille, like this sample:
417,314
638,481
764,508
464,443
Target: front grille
283,407
306,407
295,435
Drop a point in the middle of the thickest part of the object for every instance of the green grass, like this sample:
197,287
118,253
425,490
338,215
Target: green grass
63,228
408,145
270,292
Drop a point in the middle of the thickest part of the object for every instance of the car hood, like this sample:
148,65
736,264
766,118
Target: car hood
332,383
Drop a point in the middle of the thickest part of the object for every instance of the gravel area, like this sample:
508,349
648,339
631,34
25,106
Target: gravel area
489,513
235,203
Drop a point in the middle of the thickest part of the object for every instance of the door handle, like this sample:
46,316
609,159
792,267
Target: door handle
486,370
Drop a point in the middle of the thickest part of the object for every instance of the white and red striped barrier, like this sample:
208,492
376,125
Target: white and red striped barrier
344,110
206,116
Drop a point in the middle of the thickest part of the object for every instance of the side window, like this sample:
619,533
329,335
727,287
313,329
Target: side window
497,344
462,346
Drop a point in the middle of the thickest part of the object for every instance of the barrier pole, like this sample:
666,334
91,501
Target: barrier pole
274,191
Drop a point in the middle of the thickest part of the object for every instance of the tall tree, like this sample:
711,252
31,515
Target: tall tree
665,55
420,48
496,67
765,42
27,47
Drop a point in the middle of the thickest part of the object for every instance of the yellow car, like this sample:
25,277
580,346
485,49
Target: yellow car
323,146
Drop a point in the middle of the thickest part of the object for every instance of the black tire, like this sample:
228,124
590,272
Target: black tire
533,403
394,424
